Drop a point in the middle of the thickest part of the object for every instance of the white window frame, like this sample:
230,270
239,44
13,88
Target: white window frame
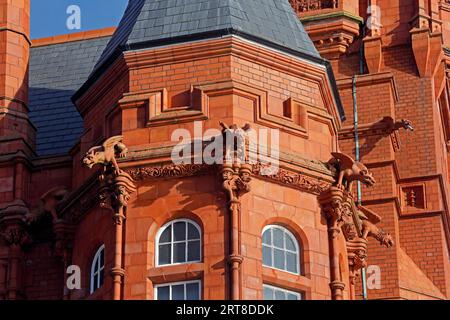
285,291
94,272
296,244
171,284
172,242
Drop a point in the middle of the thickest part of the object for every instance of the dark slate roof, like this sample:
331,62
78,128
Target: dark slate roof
147,21
56,72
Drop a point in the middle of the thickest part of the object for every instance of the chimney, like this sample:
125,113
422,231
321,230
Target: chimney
16,130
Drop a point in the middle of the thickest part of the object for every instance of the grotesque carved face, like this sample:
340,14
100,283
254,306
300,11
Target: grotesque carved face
227,175
91,158
367,177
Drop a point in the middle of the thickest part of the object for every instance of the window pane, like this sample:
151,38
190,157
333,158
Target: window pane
291,296
280,295
178,292
278,238
166,236
164,254
193,232
102,258
95,282
193,291
268,293
179,252
164,293
101,278
267,237
194,250
290,243
278,257
291,262
267,256
179,231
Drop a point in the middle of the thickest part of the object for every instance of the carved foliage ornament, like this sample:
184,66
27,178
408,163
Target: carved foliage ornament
292,179
15,236
167,171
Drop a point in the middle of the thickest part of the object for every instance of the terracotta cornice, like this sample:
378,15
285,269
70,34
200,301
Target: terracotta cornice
162,154
330,15
286,177
294,180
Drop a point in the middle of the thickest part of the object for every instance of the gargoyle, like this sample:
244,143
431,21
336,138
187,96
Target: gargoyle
239,143
48,204
106,154
397,125
369,228
351,170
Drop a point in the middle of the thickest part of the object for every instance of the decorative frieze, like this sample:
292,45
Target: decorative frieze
167,171
292,179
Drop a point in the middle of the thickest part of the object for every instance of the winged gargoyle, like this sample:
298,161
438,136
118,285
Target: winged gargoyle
239,144
48,204
369,220
351,170
106,154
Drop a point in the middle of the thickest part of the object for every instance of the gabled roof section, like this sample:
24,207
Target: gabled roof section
58,67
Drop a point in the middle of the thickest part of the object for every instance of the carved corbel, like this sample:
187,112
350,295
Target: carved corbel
13,224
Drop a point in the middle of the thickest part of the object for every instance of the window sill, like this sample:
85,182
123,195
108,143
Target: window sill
175,273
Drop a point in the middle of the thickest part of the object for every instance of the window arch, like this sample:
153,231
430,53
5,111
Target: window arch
178,242
280,249
98,269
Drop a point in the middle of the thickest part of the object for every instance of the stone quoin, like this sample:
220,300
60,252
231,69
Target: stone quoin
90,195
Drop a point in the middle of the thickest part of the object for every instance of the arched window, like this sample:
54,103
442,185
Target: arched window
178,242
98,269
280,249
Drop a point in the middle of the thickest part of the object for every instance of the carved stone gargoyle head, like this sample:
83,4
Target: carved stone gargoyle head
106,154
92,157
351,170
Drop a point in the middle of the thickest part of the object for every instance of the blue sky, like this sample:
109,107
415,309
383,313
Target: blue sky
49,17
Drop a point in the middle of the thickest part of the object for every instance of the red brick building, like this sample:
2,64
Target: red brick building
148,228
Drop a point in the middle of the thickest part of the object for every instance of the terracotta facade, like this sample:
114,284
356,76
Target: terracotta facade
55,212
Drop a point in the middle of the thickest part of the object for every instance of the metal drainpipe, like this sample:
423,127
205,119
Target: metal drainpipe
357,154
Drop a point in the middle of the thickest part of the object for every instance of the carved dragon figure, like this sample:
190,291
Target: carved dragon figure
369,229
106,154
351,170
369,220
49,202
397,125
